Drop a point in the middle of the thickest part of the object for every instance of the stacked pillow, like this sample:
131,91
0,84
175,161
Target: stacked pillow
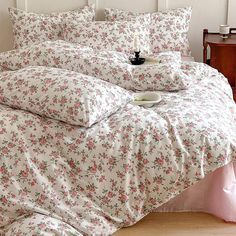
114,36
30,28
158,31
164,74
168,29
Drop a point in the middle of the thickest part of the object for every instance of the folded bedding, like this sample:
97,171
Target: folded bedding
164,75
64,179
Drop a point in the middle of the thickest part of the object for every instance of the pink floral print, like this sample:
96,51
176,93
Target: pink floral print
116,36
40,225
29,28
61,179
113,67
168,29
60,94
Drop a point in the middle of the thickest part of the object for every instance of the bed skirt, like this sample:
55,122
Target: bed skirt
216,194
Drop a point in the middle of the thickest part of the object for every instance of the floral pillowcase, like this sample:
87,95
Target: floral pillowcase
60,94
30,28
168,29
166,74
114,36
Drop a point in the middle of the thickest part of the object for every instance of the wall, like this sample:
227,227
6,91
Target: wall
206,14
5,25
232,15
47,6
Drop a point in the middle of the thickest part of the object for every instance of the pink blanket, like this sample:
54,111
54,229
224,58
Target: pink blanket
216,194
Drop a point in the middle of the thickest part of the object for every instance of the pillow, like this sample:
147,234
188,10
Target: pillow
168,29
61,94
59,54
164,74
117,36
29,28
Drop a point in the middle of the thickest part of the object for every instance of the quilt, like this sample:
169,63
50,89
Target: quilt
63,179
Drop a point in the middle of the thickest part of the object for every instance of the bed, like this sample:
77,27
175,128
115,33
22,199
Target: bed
78,157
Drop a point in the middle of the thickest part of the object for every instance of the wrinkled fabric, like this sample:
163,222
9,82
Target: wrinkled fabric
30,28
64,95
77,181
168,29
114,67
117,36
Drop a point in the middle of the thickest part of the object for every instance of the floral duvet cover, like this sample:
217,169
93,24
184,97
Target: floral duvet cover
60,179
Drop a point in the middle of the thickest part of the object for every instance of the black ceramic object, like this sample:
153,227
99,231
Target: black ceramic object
137,60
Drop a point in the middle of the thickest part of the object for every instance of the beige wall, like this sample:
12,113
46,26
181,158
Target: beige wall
206,14
5,25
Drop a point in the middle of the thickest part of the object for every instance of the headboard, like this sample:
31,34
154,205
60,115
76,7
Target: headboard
45,6
204,14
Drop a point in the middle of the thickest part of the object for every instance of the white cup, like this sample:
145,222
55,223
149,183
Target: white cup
224,29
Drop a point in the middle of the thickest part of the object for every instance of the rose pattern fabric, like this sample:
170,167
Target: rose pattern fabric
29,28
110,66
116,36
60,179
168,29
40,225
60,94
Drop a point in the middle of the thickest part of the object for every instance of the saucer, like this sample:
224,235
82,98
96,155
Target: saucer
146,99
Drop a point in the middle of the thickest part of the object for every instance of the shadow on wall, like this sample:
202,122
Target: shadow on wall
6,38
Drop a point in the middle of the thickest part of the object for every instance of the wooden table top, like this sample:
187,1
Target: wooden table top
218,40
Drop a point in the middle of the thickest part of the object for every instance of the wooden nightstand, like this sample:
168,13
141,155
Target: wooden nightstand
222,54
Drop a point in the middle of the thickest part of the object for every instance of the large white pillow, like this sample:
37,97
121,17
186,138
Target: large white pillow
117,36
29,28
168,29
60,94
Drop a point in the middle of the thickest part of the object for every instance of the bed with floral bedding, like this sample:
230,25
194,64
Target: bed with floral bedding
78,158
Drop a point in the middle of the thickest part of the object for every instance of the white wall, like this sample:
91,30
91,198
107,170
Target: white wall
206,14
47,6
6,41
232,15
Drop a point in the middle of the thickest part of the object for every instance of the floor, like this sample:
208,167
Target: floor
179,224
